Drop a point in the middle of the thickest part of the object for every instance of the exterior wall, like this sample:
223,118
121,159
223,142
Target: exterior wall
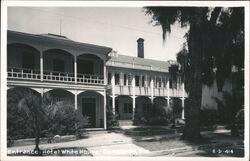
209,92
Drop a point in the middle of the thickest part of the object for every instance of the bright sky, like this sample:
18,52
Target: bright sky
118,28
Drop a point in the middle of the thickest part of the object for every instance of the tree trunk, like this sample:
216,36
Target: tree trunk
192,126
37,140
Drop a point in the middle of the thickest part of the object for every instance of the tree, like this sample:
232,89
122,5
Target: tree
31,105
212,35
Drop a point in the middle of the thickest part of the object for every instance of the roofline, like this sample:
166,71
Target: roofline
67,41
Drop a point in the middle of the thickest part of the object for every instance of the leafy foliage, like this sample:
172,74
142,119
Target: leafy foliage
229,105
112,120
214,40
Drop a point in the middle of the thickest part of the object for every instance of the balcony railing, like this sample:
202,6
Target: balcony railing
29,74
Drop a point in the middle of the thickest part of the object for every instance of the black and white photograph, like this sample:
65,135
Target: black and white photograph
154,80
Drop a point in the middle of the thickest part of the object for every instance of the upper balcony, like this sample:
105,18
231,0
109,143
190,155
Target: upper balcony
48,59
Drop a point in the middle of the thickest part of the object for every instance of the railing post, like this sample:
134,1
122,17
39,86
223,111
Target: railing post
12,72
21,73
31,74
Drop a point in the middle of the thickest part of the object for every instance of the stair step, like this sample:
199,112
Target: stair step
125,122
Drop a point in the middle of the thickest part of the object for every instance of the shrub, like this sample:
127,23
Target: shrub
63,119
112,120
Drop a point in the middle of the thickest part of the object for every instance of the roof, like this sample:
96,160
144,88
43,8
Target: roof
59,39
147,63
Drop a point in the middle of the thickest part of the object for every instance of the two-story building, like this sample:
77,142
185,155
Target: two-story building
92,77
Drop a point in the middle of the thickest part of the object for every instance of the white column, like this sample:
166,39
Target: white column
183,101
168,85
41,65
75,99
133,112
104,74
183,108
113,91
121,78
152,89
75,68
113,104
133,97
104,110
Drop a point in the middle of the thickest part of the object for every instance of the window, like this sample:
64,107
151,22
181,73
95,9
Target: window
125,79
127,108
28,61
117,79
142,81
58,65
137,80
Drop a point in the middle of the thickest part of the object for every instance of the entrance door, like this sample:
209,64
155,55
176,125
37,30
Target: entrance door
89,109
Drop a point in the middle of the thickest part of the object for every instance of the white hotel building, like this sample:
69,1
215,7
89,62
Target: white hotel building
93,77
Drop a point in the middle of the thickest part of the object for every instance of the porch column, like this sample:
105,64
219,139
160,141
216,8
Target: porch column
152,89
120,76
113,91
133,97
168,99
75,68
75,99
183,101
41,65
133,112
104,73
104,110
113,105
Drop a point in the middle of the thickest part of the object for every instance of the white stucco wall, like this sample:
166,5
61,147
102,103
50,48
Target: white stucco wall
209,92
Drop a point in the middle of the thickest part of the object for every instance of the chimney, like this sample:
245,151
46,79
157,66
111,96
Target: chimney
140,48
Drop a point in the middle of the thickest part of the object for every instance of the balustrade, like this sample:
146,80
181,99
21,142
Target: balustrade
30,74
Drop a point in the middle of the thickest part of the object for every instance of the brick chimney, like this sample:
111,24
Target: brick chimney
140,48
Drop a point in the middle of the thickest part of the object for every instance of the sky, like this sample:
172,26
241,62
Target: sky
114,27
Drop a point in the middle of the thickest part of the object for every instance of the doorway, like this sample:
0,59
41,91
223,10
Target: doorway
89,110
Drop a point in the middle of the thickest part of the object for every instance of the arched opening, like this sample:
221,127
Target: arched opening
58,65
58,60
23,61
60,95
176,107
91,105
90,69
124,107
143,106
18,122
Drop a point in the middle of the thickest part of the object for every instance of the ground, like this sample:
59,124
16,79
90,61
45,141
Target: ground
149,141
